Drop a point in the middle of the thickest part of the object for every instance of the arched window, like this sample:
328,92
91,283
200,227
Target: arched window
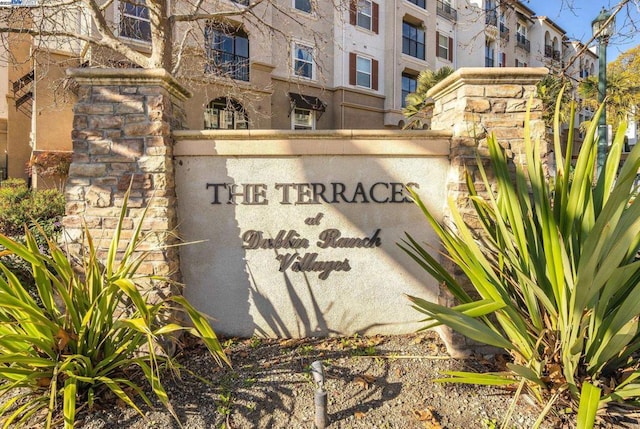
225,114
227,51
548,49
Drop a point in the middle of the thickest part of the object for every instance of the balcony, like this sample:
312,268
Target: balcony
556,55
23,93
491,17
548,51
226,64
504,32
446,11
523,43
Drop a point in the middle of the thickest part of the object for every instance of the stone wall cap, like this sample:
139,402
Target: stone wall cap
309,134
488,75
130,76
269,143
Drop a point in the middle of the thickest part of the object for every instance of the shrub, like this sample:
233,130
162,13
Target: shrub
555,268
84,332
20,206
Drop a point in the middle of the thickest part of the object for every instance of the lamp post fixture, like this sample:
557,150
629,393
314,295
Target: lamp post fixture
603,27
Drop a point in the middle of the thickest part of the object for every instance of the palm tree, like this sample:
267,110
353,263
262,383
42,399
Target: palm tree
418,102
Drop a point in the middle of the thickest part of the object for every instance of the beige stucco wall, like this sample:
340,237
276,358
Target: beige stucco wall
53,112
244,289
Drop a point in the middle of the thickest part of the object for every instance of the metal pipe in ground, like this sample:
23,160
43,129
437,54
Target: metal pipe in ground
320,398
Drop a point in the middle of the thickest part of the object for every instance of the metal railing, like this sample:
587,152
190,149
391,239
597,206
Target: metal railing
227,64
504,32
523,42
446,11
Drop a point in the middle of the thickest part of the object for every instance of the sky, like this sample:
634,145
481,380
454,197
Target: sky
575,17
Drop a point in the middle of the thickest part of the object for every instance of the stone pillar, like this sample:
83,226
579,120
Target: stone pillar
122,134
473,103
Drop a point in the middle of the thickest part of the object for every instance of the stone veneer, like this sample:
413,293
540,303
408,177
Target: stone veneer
122,135
473,103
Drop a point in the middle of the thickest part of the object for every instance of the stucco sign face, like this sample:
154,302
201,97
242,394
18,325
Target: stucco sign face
302,246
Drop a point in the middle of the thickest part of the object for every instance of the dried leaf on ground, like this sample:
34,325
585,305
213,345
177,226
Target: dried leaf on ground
364,380
428,418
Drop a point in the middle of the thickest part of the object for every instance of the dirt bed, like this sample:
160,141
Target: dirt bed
371,382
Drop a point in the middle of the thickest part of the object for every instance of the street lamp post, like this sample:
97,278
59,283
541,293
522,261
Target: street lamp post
603,27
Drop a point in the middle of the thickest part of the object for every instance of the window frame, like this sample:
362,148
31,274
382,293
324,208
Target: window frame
408,77
301,46
489,54
419,3
412,40
123,17
360,12
360,72
225,111
446,38
239,66
310,125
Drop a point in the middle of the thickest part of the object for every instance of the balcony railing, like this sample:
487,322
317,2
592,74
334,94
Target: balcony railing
488,62
227,64
23,81
548,51
504,32
523,42
446,11
491,17
556,55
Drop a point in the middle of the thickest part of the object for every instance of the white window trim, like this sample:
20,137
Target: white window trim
118,16
312,116
522,29
370,73
294,47
361,12
445,47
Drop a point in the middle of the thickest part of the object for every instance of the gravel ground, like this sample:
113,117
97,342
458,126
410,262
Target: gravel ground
371,382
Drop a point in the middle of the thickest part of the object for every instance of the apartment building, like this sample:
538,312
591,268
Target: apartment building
304,64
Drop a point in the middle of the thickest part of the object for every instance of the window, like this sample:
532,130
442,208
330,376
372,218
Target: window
488,54
227,52
303,119
444,46
412,40
409,86
223,113
303,5
363,71
491,15
420,3
502,60
303,61
521,37
364,14
134,20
